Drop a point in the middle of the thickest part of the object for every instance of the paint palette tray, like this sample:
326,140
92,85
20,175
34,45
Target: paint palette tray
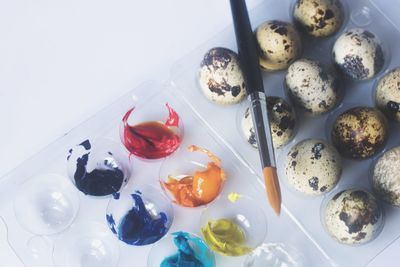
41,249
46,221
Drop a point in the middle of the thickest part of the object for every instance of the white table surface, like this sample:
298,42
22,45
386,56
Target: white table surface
63,61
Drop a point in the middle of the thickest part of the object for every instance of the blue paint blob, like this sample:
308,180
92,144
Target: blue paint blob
139,228
187,256
69,153
86,144
111,223
102,181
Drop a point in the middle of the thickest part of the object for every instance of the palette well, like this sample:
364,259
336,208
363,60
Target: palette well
182,116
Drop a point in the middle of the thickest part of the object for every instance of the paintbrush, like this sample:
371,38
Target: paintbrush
249,61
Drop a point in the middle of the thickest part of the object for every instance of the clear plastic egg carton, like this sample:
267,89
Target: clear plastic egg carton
225,121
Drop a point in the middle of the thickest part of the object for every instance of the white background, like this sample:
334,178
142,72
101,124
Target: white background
63,61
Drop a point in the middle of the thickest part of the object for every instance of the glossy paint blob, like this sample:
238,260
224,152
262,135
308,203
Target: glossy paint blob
199,188
151,139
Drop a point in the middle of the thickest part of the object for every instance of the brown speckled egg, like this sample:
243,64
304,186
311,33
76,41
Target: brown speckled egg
313,167
353,217
387,94
279,44
221,78
282,121
358,54
319,18
311,87
386,177
360,132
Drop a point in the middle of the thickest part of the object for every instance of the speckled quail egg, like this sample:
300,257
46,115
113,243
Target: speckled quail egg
360,132
282,122
313,167
221,78
386,177
319,18
353,217
358,54
311,87
279,44
387,96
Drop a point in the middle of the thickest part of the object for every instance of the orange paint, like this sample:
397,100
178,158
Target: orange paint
200,188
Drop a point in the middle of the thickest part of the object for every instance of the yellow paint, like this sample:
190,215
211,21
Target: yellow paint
233,197
225,237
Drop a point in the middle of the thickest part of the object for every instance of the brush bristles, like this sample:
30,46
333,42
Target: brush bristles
273,188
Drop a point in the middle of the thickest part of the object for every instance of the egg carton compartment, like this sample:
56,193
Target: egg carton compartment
224,120
85,238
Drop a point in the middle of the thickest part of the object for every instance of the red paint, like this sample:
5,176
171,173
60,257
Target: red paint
173,118
152,139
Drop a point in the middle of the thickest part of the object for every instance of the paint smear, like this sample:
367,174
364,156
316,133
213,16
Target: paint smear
139,227
225,237
201,187
152,139
233,197
192,252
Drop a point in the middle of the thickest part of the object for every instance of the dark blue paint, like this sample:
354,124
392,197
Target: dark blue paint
86,144
99,182
69,154
139,228
111,223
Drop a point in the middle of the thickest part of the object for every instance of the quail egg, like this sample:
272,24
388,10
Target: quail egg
312,87
282,122
353,217
221,78
360,132
279,45
319,18
387,96
358,54
386,177
313,167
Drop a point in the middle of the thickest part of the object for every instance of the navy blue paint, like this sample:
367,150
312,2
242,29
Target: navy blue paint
98,182
139,228
69,154
111,223
86,144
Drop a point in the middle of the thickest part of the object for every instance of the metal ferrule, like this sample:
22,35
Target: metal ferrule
259,113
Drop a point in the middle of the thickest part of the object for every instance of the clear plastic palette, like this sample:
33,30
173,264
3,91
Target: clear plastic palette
61,217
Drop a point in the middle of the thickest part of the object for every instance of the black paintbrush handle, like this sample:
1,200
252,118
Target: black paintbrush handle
248,56
247,47
259,114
